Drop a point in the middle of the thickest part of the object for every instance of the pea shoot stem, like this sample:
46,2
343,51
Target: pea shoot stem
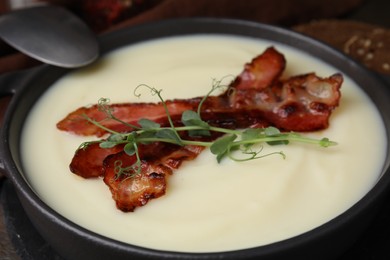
232,139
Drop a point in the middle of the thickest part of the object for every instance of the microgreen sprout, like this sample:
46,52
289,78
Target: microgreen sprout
232,140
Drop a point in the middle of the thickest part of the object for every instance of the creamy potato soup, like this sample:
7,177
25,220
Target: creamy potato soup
208,206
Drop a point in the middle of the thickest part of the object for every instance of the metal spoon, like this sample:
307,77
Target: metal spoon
50,34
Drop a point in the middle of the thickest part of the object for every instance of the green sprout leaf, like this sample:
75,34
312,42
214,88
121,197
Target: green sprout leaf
252,133
222,145
274,132
115,137
191,118
108,144
168,135
129,149
271,131
147,124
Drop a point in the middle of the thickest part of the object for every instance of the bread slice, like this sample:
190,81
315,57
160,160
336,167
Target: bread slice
367,43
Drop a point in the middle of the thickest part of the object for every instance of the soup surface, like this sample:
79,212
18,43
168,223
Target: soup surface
208,206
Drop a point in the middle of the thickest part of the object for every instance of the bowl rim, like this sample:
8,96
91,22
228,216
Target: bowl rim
178,27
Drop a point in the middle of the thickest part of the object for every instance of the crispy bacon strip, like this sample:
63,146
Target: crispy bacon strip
301,103
137,190
158,162
88,161
261,73
256,98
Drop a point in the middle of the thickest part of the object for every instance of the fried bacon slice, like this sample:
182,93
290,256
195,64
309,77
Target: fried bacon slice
301,103
256,98
261,73
87,162
137,189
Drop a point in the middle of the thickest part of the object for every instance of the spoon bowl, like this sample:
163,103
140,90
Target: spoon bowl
51,34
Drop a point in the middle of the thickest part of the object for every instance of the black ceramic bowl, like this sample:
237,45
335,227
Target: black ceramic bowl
74,242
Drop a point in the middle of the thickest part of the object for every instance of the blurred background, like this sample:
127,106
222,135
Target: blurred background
357,19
